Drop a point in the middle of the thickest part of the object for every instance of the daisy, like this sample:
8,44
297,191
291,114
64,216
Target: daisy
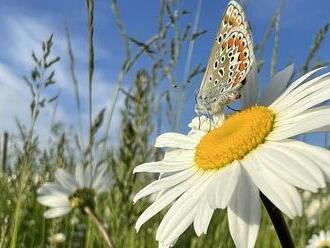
56,238
76,191
226,163
319,241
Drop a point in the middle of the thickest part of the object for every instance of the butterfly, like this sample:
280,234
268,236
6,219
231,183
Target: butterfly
230,61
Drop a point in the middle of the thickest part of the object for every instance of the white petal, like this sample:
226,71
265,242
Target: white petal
56,212
223,185
286,167
244,213
176,140
182,213
311,121
285,120
165,166
179,155
66,180
175,232
52,188
79,175
164,183
250,90
56,200
276,86
303,160
164,199
280,193
89,174
100,176
202,124
294,85
320,156
196,134
103,184
202,217
310,94
302,93
161,245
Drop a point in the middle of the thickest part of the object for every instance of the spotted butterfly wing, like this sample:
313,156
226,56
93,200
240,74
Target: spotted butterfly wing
229,63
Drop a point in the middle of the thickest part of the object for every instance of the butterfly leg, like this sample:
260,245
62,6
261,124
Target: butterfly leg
209,117
236,110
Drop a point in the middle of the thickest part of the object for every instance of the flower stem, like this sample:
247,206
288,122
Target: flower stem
281,228
96,220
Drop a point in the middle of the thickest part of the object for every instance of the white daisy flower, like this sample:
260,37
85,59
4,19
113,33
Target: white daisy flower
56,238
75,191
320,241
225,164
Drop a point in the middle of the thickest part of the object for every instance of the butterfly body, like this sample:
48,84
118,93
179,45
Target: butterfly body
229,63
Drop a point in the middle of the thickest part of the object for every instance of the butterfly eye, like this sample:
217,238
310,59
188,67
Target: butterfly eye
216,63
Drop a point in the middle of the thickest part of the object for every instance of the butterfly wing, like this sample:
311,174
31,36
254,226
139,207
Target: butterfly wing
229,63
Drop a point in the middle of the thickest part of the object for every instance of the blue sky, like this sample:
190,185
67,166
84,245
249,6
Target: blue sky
24,24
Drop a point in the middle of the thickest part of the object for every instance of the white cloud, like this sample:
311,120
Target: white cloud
21,35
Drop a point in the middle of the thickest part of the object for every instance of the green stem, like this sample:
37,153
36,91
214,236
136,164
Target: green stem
281,228
98,223
90,12
16,224
88,235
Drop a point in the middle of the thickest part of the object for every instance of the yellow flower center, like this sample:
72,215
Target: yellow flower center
239,134
324,244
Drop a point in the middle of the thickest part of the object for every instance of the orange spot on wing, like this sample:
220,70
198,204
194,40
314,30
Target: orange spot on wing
238,43
224,44
241,57
237,79
241,47
242,66
231,42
